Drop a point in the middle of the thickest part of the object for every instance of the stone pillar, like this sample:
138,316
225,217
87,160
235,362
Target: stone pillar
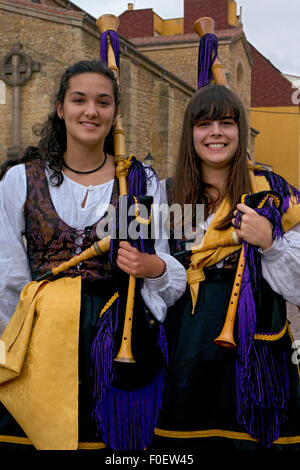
16,68
161,128
2,92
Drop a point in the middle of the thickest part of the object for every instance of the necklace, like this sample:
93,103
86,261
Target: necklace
89,171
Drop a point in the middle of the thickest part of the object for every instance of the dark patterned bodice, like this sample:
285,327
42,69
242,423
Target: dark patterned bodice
50,241
177,245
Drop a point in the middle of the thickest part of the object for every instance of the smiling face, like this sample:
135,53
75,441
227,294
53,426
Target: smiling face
216,142
88,109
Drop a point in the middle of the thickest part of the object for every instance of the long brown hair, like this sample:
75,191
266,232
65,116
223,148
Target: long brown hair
212,102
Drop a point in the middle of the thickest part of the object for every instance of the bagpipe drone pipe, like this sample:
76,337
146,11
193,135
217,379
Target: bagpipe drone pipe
129,384
128,354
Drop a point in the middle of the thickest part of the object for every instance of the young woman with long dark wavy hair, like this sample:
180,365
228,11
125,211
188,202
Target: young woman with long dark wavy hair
51,201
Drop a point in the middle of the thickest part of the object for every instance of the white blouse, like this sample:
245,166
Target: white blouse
158,293
280,262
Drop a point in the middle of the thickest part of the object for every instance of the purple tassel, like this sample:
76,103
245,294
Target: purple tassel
267,408
246,331
137,179
274,217
102,355
138,412
126,419
136,185
162,340
144,243
114,39
289,193
208,52
262,384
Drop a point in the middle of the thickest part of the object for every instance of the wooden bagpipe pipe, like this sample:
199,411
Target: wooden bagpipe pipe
206,26
128,384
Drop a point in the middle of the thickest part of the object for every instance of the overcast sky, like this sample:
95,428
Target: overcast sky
272,26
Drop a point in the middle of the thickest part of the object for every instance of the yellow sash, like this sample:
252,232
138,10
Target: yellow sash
217,245
39,376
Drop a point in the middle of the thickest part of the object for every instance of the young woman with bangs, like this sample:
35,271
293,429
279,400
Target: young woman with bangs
243,397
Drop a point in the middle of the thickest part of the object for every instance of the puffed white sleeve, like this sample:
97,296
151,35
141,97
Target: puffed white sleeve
14,267
281,265
162,292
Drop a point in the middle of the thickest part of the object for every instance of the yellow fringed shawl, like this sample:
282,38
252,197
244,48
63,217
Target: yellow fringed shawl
217,245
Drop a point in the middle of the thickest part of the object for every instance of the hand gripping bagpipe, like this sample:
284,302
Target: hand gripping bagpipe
262,381
128,385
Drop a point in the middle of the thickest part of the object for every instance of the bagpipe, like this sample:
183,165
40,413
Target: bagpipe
262,380
211,69
128,354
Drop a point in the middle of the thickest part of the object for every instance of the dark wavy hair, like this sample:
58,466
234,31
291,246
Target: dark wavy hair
52,144
212,102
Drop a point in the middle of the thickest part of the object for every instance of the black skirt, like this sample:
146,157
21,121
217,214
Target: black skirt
94,296
199,410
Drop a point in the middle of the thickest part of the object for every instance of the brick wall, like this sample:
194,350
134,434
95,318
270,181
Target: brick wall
217,9
139,23
269,86
136,23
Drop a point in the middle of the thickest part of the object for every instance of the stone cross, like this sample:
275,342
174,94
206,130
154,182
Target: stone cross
16,68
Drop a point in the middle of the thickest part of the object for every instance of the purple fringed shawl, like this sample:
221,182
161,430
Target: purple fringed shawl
262,382
125,418
208,52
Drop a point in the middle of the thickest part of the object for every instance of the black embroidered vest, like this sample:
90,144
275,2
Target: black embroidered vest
50,241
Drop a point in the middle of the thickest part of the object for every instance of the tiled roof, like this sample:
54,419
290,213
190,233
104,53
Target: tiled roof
45,8
268,86
188,37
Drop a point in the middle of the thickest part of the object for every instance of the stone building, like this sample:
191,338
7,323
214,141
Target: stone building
175,45
158,72
158,75
179,54
52,36
266,93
